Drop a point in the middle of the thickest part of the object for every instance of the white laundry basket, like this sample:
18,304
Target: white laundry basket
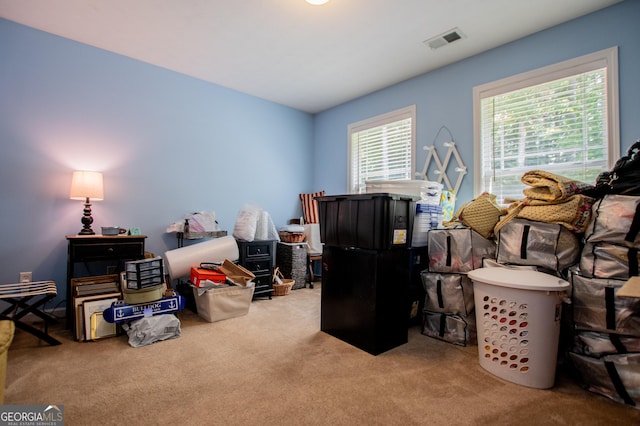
518,322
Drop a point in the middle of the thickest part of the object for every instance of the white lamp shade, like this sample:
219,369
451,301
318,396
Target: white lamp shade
85,184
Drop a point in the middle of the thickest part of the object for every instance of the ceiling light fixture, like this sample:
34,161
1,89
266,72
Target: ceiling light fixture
317,2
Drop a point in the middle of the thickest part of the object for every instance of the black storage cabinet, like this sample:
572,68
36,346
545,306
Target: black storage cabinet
259,258
366,269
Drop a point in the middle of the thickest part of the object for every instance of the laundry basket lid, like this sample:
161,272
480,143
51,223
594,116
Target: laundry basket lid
518,278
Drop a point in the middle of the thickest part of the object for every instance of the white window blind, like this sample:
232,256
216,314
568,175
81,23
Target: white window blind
381,148
558,119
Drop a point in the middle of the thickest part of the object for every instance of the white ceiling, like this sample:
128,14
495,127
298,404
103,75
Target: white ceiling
287,51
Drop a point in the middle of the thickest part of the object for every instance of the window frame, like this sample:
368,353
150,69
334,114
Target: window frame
606,58
377,121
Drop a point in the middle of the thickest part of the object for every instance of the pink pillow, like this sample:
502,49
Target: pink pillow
310,207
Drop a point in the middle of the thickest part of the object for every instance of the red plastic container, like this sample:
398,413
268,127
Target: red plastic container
199,275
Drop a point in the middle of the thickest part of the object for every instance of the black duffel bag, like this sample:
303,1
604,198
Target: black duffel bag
623,179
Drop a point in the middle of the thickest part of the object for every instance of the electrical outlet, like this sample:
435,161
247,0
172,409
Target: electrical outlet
26,277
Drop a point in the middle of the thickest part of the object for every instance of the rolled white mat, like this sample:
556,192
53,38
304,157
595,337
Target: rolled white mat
180,261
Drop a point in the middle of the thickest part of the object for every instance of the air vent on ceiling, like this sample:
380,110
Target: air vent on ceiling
444,38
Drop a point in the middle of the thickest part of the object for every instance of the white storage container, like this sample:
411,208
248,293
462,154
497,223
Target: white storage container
518,321
429,192
216,304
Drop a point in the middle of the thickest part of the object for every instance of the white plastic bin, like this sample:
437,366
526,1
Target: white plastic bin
428,191
518,321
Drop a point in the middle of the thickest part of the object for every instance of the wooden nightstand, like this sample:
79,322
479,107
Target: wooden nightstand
259,258
111,250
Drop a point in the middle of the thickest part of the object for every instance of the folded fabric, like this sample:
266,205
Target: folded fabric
548,186
552,198
574,213
292,228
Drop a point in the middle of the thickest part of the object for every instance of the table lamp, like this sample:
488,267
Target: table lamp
86,185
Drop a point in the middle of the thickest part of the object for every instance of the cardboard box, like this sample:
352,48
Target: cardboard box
199,275
631,288
236,273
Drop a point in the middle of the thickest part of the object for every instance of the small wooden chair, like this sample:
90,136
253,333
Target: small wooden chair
311,257
311,216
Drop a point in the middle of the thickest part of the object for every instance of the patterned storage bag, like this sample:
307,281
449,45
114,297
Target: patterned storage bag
615,376
604,260
448,293
595,344
546,245
597,308
616,220
454,329
458,250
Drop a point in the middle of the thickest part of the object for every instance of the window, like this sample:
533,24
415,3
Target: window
562,119
382,148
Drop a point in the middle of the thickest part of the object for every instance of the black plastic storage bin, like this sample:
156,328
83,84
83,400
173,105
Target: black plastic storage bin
378,221
364,297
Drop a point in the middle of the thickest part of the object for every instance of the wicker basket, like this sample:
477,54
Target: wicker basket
284,288
292,237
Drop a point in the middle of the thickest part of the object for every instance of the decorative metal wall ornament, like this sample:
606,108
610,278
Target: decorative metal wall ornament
441,166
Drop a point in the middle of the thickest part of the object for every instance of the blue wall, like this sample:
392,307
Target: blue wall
445,97
166,143
169,144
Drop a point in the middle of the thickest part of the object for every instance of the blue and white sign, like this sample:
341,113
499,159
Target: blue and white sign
122,312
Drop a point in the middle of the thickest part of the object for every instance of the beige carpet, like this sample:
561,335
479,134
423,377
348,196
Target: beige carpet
274,367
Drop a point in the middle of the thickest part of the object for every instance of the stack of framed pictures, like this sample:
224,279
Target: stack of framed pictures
91,296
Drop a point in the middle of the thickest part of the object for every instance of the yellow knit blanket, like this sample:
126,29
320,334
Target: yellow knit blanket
552,199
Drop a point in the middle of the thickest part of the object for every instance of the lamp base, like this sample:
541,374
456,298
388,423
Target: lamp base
86,220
